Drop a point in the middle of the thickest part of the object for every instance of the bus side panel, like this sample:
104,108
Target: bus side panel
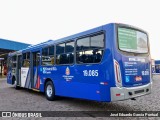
68,83
41,86
25,77
78,85
9,77
9,71
78,90
107,64
45,72
38,82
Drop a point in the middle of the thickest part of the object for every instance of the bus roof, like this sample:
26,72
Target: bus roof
157,62
71,37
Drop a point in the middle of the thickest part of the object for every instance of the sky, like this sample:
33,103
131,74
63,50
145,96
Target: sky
36,21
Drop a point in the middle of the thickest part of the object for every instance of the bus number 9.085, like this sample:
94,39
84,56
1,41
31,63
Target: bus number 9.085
90,72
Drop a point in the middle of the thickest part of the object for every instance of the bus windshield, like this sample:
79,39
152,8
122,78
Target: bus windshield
131,40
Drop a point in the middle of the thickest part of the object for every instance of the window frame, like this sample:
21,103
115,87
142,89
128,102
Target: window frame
130,53
14,61
70,42
75,47
48,54
26,58
64,47
64,42
91,35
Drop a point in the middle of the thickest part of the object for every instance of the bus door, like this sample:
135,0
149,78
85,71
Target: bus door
18,73
35,62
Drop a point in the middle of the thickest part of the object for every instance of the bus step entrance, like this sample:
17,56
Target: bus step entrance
35,90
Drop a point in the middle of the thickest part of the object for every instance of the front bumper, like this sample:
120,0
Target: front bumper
123,93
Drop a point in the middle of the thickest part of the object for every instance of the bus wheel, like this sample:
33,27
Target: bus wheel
49,91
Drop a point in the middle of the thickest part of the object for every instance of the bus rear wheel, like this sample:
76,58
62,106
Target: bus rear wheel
49,91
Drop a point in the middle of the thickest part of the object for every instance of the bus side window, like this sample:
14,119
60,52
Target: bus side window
65,53
83,58
69,50
51,54
90,49
26,60
70,58
57,59
52,60
98,57
26,63
14,62
48,55
63,59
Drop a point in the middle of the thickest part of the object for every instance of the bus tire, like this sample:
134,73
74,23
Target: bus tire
50,91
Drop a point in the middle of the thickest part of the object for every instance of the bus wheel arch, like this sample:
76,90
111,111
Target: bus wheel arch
49,89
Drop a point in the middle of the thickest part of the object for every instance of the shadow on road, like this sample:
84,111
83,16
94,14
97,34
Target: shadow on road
79,104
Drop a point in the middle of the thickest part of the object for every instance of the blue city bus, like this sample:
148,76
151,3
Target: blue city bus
108,63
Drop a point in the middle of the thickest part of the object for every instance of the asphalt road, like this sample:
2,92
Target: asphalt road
27,100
